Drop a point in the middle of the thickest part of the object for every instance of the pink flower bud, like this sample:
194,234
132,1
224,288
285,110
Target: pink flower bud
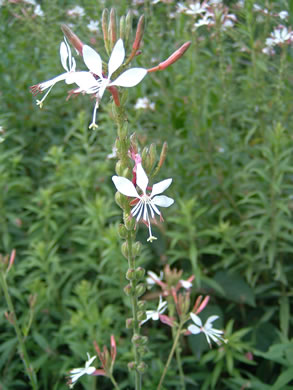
173,58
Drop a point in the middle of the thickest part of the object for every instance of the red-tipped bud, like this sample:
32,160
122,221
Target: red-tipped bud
199,306
11,260
99,372
73,39
139,34
112,27
113,349
173,58
114,92
170,321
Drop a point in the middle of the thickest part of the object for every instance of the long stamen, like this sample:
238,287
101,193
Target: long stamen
93,125
40,102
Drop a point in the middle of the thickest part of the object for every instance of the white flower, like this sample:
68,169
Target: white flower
76,373
155,314
206,20
283,15
208,330
279,36
147,203
68,63
152,278
195,9
76,11
181,8
38,11
93,26
144,103
185,284
88,83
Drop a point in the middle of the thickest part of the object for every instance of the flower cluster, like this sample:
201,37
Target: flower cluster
208,13
100,77
92,81
279,37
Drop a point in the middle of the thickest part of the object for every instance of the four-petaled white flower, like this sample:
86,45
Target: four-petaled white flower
76,373
185,284
147,203
208,330
89,84
68,63
152,278
155,314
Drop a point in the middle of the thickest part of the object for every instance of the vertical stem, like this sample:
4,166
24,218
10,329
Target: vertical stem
28,367
123,148
171,355
134,302
178,352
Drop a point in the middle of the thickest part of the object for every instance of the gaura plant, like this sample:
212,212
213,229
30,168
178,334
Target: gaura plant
138,201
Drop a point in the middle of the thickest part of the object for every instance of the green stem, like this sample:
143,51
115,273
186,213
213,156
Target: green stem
124,143
28,367
174,346
114,382
134,302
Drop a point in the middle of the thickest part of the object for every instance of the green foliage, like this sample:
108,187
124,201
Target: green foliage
225,110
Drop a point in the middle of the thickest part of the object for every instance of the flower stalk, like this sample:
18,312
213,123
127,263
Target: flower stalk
14,322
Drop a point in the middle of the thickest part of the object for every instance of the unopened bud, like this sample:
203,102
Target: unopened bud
144,157
142,367
131,274
173,58
124,249
136,339
136,248
120,200
141,305
140,289
131,366
128,27
122,231
129,323
141,316
129,222
153,155
119,168
162,158
32,300
122,27
139,34
133,143
123,131
73,39
128,290
112,28
105,18
139,273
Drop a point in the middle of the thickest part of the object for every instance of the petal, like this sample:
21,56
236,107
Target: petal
85,80
209,321
90,360
117,57
49,83
194,329
92,60
130,77
125,186
160,187
64,55
162,201
155,316
141,178
196,319
90,370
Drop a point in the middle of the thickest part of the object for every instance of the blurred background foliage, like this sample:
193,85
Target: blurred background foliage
225,110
